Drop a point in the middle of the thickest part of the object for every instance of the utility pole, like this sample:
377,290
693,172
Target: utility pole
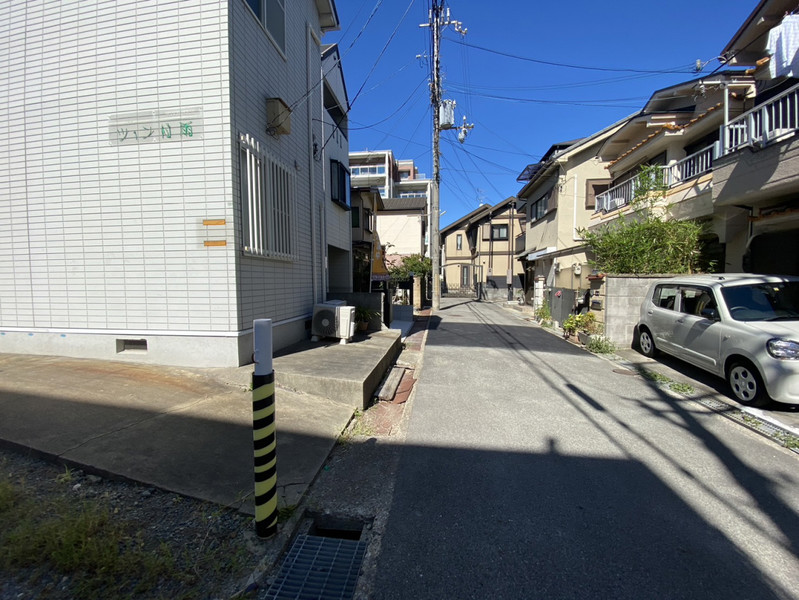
437,20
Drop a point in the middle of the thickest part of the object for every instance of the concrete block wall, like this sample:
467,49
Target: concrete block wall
623,297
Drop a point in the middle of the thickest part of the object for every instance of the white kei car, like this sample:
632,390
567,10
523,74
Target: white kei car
742,327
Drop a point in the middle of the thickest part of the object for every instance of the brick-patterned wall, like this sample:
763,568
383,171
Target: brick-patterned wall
281,290
119,166
102,196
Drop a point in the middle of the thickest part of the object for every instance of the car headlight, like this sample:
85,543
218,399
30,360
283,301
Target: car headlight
783,348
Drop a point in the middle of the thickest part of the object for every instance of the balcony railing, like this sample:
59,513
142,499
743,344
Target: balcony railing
769,122
617,196
689,167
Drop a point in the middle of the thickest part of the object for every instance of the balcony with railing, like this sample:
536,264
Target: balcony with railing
768,123
688,168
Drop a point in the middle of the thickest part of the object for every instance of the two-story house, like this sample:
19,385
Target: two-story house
678,131
402,221
728,148
557,199
165,177
478,256
366,248
756,175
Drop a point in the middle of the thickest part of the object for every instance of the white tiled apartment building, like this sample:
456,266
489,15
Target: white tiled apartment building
155,194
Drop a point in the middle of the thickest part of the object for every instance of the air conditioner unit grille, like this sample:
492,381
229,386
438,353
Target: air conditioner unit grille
333,320
324,322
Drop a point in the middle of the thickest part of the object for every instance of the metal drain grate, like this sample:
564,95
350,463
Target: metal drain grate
749,420
318,567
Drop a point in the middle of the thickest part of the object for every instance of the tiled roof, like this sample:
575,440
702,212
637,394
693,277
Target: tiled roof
666,127
405,203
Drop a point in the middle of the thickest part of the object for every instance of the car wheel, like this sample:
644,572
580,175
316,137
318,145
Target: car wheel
746,384
646,343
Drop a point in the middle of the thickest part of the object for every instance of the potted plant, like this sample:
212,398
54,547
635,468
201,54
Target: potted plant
570,325
363,315
584,325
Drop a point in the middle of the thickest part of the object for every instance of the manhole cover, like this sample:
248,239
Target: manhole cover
624,372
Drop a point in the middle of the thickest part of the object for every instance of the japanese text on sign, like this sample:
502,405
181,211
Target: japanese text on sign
154,127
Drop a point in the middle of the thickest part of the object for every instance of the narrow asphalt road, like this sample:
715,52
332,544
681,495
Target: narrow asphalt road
533,469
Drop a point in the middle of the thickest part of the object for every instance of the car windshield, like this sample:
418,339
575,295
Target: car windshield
763,301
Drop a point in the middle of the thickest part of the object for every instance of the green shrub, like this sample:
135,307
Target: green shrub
600,345
648,240
542,313
583,322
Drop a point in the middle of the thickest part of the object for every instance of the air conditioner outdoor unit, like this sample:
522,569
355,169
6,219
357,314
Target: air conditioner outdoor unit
333,320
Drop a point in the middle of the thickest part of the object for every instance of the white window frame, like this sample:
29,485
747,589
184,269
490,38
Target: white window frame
267,203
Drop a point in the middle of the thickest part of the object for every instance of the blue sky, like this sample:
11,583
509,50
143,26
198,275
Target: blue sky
527,74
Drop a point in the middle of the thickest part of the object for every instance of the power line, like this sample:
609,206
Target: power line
494,133
374,65
603,103
401,106
680,69
465,151
382,52
561,86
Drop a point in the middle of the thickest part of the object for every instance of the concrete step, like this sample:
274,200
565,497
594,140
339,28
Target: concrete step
347,373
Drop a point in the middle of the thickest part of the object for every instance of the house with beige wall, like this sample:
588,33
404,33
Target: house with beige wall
402,226
164,177
402,221
728,146
677,131
558,198
478,257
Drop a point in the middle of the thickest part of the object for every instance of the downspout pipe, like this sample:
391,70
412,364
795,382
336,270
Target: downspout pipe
310,40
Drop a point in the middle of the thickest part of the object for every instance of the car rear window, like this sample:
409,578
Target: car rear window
664,296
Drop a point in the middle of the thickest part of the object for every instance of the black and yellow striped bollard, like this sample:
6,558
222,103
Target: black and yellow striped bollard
263,430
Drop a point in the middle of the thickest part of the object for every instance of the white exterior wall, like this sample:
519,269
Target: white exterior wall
403,232
282,290
101,214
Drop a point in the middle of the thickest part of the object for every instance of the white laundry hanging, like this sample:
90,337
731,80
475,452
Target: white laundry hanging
783,46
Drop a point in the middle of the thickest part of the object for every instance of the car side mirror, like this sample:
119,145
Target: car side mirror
711,314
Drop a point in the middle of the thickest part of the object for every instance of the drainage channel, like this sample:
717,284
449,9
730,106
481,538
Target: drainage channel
753,422
778,434
323,563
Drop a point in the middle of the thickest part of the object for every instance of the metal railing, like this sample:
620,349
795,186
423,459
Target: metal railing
617,196
689,167
769,122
